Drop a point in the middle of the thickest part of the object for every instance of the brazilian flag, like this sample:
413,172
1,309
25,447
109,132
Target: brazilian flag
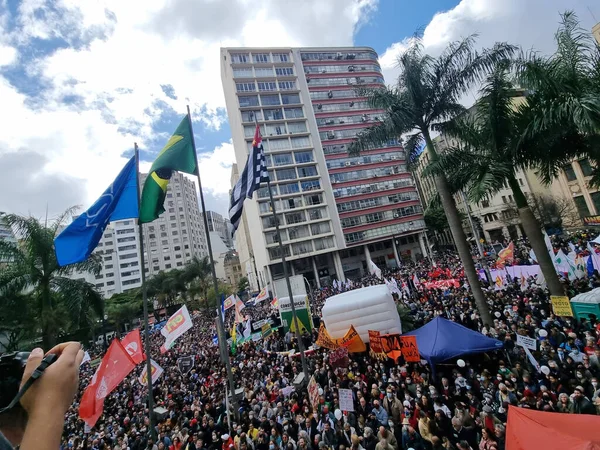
177,154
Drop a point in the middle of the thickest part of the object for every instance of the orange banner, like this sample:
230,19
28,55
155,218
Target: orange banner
410,350
391,345
351,340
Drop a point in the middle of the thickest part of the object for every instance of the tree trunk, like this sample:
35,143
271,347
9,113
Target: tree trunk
536,239
460,239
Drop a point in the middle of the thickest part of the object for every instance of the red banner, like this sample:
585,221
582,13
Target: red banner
440,284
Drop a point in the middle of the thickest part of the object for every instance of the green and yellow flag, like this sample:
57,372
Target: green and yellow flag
177,154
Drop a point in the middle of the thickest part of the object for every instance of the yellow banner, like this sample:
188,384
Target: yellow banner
561,306
351,340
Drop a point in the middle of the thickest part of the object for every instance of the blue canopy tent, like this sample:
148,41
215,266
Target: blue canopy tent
441,339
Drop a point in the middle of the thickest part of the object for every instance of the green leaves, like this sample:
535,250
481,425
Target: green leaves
55,303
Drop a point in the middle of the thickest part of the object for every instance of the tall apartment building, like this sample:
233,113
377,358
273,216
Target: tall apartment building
178,234
169,242
334,211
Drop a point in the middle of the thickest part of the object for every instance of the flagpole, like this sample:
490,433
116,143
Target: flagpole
289,286
220,318
286,275
145,303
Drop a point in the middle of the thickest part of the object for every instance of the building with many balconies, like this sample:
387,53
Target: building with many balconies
334,211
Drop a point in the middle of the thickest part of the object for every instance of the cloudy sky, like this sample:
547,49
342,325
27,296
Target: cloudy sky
81,81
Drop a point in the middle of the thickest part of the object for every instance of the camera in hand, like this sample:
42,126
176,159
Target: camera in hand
12,366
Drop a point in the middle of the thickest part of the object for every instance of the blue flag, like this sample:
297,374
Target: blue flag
590,266
119,201
215,340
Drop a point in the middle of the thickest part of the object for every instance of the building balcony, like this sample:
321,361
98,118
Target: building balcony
387,206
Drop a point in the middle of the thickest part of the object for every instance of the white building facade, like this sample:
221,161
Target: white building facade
334,211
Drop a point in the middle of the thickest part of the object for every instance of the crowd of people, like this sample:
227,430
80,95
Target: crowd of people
397,406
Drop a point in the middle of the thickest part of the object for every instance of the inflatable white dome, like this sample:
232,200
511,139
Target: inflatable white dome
369,308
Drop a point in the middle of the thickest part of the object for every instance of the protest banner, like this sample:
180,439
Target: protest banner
410,350
185,364
339,357
375,349
391,345
527,342
156,373
561,306
352,341
325,340
313,392
346,399
266,330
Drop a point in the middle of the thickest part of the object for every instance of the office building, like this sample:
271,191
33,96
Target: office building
219,224
177,235
335,211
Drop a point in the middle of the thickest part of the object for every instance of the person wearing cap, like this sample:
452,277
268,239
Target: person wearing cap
410,437
581,405
226,442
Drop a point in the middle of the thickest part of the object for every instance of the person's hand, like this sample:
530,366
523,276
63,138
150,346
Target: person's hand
53,392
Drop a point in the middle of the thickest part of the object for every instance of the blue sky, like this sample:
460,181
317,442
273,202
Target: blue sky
80,82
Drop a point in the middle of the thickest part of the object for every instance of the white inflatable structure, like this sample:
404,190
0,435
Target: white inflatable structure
369,308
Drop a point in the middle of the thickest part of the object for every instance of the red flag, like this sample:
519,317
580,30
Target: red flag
113,369
133,345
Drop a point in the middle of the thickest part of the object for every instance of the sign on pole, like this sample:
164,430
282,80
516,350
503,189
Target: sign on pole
346,400
304,321
561,306
185,364
527,342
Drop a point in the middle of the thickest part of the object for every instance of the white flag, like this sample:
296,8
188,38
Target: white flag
373,269
86,358
178,323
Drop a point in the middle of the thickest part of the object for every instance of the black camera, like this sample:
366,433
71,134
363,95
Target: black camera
12,366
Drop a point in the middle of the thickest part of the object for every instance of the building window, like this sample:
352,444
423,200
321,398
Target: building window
167,266
581,205
504,199
246,87
586,167
245,101
570,173
242,73
287,85
596,201
281,57
267,86
284,71
485,203
269,100
260,57
239,58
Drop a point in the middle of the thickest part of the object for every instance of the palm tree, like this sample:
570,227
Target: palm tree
426,95
198,276
59,303
511,129
489,151
563,101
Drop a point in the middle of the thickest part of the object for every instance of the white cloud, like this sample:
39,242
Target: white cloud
109,78
215,168
8,55
530,24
